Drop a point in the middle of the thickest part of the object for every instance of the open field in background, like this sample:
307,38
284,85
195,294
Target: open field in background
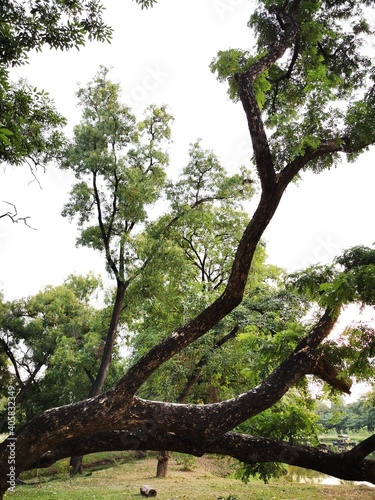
354,436
120,476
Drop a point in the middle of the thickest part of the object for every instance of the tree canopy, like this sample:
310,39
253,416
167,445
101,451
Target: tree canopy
52,342
308,52
349,418
31,128
120,167
29,119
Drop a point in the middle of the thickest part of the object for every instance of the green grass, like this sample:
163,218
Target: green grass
208,480
354,436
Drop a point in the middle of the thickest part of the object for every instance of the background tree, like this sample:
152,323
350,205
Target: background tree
120,168
120,165
295,68
52,342
348,418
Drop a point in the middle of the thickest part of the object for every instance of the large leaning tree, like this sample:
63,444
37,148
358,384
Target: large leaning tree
308,96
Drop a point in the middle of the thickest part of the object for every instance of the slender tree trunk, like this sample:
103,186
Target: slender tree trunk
162,467
25,387
97,387
212,397
76,462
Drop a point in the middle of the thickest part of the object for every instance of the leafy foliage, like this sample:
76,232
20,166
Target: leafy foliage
204,179
31,126
292,419
352,417
328,63
145,4
350,279
60,25
232,61
119,164
53,341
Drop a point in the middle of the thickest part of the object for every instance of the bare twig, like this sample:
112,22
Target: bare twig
13,216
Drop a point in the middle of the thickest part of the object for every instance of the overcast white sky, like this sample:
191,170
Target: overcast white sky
162,56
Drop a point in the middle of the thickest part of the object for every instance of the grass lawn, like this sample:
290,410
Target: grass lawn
208,480
355,436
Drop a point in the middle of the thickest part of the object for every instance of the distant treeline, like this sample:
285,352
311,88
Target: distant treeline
345,418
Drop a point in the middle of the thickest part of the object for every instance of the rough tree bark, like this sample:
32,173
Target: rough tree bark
118,420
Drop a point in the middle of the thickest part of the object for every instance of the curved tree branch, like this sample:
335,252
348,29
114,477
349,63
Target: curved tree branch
245,81
248,449
363,449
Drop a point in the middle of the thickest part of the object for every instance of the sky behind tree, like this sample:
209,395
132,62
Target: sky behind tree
162,55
